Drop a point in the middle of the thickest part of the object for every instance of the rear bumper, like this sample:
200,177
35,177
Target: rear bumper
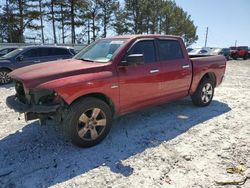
13,103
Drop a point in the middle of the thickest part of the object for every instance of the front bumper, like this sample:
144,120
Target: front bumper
13,103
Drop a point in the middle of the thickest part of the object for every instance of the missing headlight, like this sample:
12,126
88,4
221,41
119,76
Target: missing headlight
42,96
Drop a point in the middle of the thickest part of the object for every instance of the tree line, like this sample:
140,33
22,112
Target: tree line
83,21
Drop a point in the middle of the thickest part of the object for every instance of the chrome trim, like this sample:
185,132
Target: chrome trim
185,66
114,86
154,71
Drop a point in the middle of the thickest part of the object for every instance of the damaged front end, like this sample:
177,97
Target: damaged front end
35,103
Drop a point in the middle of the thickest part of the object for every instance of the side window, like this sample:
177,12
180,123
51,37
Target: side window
72,51
60,51
203,51
3,52
45,52
170,50
146,48
11,49
31,53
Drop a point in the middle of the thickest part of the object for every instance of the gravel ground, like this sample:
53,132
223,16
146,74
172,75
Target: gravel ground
171,145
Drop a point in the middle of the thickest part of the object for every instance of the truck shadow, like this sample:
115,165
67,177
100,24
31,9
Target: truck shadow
38,156
7,86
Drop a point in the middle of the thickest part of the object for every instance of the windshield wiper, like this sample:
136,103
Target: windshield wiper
89,60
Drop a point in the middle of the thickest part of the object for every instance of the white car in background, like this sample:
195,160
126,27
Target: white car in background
201,51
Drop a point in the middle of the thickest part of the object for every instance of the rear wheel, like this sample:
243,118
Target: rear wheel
204,93
88,122
245,57
234,56
4,77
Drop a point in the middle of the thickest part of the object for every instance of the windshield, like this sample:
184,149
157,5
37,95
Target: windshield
13,53
101,51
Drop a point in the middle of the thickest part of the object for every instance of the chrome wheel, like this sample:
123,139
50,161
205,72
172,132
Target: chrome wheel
91,124
4,78
207,93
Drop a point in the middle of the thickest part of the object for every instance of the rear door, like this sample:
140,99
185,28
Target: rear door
176,71
140,84
47,54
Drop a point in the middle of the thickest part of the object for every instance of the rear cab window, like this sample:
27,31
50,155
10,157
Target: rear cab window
169,50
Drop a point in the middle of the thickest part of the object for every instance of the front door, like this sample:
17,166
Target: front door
29,57
140,83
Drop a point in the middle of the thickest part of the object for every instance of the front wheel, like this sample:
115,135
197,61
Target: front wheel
204,93
88,122
4,77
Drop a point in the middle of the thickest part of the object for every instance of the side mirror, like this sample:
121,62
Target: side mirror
19,58
135,59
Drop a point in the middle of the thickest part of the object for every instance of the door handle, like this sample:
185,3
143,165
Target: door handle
154,71
185,66
38,61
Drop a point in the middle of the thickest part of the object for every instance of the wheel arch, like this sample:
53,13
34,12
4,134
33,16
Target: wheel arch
211,76
100,96
5,68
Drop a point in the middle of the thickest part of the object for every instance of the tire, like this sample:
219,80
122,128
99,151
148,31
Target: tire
234,57
4,78
245,57
204,93
88,122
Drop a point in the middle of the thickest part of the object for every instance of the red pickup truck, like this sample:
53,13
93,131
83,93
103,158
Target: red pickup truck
111,77
239,52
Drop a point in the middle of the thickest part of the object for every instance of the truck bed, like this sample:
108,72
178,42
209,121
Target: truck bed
203,64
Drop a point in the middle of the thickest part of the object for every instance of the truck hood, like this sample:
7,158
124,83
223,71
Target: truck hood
34,75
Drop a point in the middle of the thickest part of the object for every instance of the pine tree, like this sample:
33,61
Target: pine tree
94,18
62,17
93,15
51,14
121,25
41,7
158,16
22,15
108,8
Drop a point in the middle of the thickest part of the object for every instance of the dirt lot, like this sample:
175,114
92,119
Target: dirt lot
172,145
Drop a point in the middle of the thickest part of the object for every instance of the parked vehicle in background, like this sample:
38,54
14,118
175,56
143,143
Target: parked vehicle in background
239,52
31,55
6,50
113,76
189,49
222,51
200,51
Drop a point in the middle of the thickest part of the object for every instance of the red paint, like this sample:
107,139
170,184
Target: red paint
137,87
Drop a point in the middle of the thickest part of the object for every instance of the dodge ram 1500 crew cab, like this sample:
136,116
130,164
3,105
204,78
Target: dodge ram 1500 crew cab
113,76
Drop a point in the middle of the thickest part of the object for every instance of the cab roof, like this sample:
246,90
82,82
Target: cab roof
143,36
